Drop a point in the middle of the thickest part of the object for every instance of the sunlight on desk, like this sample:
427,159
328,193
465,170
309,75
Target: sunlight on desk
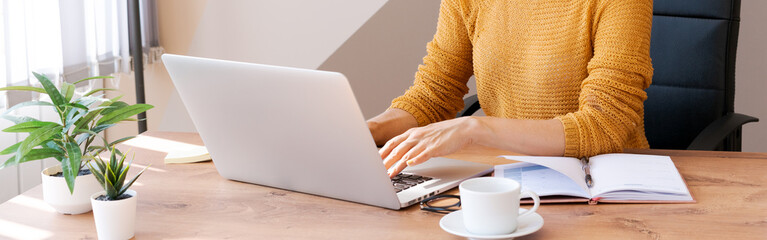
151,169
17,231
35,203
159,144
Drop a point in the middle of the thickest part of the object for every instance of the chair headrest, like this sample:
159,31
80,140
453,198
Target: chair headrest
718,9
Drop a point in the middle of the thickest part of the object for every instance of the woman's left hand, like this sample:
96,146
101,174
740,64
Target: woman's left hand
417,145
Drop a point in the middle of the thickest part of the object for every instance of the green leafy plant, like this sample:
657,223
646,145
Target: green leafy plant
70,140
112,174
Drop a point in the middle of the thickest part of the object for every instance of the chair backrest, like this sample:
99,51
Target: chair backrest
693,52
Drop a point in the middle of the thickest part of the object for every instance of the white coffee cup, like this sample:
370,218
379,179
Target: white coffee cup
490,205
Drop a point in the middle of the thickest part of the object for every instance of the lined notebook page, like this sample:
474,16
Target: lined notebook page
637,177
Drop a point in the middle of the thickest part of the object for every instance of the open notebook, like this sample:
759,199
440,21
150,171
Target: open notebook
616,177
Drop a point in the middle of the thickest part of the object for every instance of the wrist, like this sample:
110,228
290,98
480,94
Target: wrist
375,131
476,130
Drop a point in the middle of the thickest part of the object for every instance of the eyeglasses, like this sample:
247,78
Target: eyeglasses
443,204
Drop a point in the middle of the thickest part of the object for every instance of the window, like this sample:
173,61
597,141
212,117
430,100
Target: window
66,40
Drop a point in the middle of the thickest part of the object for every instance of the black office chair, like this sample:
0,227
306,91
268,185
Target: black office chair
690,103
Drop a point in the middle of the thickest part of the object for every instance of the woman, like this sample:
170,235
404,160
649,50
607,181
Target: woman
557,77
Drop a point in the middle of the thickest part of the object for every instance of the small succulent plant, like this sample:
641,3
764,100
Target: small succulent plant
112,175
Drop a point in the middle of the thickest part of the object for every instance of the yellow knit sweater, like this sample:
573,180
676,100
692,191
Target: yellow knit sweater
584,62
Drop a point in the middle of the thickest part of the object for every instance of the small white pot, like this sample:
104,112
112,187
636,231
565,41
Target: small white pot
56,193
115,219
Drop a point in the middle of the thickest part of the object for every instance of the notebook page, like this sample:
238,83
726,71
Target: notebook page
637,175
542,180
570,167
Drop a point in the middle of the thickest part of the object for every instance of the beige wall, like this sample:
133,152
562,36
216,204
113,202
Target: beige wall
377,44
751,74
177,20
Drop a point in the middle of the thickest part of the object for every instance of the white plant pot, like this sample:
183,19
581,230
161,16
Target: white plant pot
115,219
56,193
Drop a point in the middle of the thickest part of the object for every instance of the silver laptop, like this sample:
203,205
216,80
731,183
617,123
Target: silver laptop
300,130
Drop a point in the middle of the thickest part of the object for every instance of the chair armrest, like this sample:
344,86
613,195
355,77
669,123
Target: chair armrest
470,106
718,130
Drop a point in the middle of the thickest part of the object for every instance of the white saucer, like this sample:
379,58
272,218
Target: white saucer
453,223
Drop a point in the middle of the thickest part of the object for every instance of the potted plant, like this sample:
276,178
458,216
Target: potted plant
71,140
114,209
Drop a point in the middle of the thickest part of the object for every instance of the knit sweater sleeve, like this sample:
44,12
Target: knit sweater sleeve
611,99
440,83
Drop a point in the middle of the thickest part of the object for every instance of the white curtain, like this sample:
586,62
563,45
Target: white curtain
66,40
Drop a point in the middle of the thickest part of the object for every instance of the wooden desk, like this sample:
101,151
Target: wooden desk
192,201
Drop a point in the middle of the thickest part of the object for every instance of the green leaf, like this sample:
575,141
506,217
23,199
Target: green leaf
118,151
28,126
109,182
42,153
85,131
19,119
110,189
52,144
12,149
36,138
88,100
87,134
74,113
91,78
97,172
127,185
118,183
93,114
51,90
112,165
121,172
102,127
98,90
79,106
123,113
96,150
23,88
121,140
67,90
82,123
34,154
71,166
115,106
100,163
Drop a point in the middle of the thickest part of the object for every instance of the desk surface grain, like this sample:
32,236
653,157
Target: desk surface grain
191,201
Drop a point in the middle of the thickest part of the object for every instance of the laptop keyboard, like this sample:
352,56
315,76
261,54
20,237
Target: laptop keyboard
404,181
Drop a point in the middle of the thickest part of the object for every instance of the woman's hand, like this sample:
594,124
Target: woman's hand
417,145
